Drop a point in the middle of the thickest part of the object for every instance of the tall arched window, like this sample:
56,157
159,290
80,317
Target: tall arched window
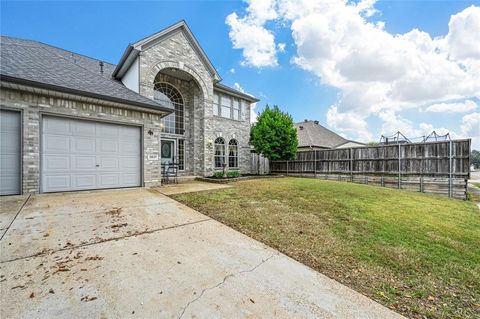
219,152
233,154
167,95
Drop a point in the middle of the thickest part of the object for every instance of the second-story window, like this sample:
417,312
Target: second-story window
227,106
167,95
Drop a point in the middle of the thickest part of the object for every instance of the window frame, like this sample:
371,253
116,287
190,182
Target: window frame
219,144
219,108
233,143
177,117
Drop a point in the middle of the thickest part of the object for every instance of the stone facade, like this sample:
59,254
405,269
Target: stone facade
156,62
202,127
34,106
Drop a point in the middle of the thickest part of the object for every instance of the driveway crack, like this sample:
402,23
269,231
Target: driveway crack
223,281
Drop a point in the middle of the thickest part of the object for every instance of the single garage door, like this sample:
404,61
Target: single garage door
10,152
81,155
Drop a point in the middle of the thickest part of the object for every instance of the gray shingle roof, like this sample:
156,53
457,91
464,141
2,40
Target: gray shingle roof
310,133
37,64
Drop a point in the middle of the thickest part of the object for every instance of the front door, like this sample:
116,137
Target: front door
167,152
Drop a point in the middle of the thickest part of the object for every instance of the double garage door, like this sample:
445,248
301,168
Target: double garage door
81,155
75,154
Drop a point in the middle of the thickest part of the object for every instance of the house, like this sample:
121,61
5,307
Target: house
71,122
312,135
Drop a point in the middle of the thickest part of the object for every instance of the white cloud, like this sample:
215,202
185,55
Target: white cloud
459,107
463,36
281,47
348,124
232,70
471,125
238,87
250,35
378,74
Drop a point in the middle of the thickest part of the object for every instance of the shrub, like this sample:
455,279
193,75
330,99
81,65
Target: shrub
233,174
274,135
218,174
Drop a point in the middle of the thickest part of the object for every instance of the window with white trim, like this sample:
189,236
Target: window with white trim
219,152
233,154
227,106
216,104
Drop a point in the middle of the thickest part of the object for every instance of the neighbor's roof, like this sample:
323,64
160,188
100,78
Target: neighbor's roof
311,133
32,63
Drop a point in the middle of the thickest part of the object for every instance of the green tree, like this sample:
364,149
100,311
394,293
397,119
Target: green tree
475,158
274,135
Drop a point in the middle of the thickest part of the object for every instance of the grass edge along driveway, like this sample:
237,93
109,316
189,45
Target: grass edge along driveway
417,254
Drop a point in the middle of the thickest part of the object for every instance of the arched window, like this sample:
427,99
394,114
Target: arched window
219,152
233,154
167,95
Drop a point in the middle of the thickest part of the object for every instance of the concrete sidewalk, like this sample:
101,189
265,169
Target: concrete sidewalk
138,254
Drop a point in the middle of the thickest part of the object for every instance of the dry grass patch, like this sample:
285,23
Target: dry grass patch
415,253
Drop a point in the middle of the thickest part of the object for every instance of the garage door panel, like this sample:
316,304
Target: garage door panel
57,162
84,181
56,182
107,131
82,145
109,163
109,180
107,146
83,163
127,132
9,184
55,125
129,163
9,142
130,148
56,144
10,158
101,155
9,165
83,128
130,179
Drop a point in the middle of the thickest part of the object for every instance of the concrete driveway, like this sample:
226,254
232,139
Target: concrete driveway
135,253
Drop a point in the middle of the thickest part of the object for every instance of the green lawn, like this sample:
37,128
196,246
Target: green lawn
415,253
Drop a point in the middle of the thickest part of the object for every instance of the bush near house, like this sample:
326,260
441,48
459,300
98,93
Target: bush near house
415,253
274,135
233,174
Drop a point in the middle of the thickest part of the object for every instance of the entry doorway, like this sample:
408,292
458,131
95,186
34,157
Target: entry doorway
167,152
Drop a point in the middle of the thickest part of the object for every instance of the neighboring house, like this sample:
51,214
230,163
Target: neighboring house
70,122
311,135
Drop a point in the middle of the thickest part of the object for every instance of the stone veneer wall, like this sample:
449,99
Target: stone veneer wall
176,52
34,105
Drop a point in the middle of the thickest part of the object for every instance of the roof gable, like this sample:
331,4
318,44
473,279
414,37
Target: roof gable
310,133
133,49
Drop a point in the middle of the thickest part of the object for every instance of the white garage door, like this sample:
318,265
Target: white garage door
9,152
80,155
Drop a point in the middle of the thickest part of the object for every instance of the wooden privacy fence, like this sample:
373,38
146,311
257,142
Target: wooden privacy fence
430,167
260,165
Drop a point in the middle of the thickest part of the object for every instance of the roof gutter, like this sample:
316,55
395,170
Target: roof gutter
226,89
125,62
62,89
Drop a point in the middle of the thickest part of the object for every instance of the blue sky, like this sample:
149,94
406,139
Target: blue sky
289,73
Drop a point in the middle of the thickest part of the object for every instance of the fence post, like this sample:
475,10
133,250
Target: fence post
287,168
314,163
351,165
399,167
450,168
